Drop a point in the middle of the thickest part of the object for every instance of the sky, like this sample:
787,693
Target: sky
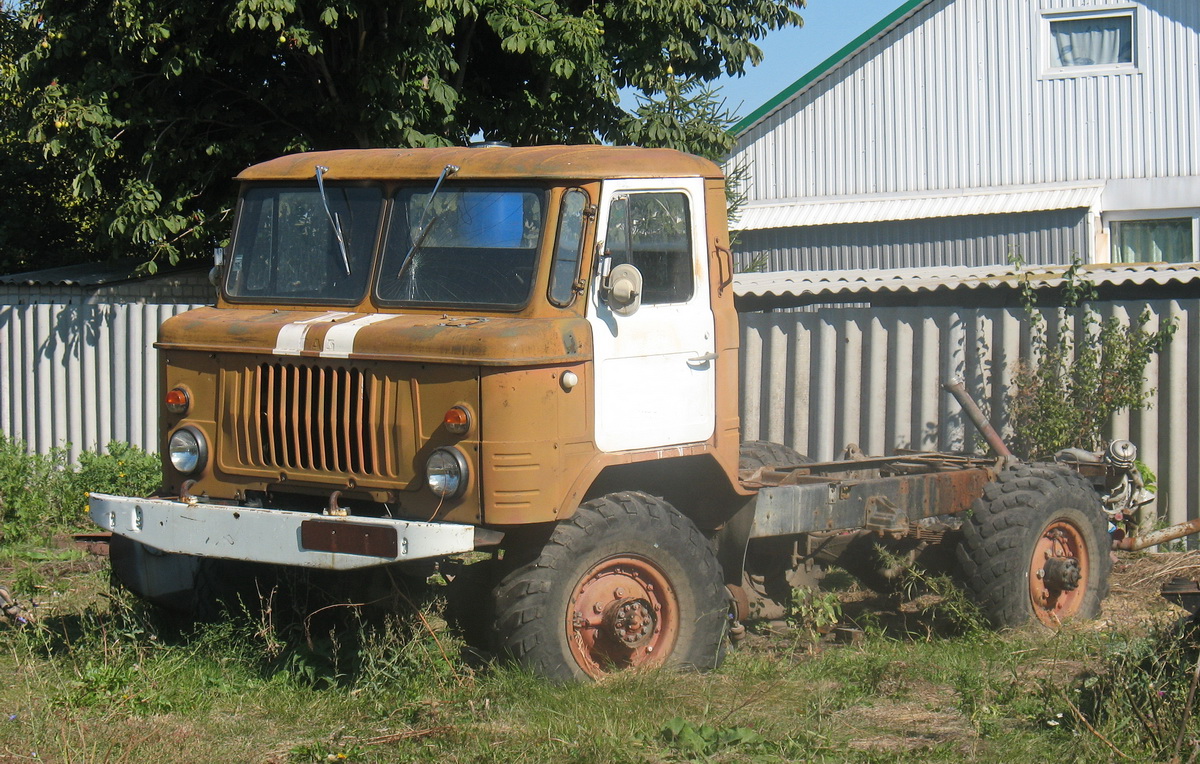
789,54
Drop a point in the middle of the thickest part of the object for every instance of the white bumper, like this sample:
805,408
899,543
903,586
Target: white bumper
277,536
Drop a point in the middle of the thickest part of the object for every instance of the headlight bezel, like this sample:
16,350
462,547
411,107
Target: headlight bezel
199,447
447,479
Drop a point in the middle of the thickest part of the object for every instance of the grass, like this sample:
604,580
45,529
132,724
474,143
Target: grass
100,678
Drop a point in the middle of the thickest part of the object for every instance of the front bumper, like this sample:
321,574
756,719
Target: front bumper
280,537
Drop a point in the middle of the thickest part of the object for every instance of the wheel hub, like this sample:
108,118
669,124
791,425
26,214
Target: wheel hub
623,614
1058,573
630,622
1062,574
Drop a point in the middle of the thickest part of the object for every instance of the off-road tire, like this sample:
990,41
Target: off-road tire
1030,515
617,560
761,453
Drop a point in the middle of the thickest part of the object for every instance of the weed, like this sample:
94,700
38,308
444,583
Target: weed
1143,696
947,607
814,613
705,740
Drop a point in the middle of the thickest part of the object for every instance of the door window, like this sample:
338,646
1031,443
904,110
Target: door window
652,232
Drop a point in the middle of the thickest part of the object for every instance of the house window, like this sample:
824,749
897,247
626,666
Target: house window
1082,42
1169,240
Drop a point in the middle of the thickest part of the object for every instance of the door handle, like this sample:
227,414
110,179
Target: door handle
702,359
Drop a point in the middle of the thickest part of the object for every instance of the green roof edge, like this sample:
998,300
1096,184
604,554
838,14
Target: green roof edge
822,68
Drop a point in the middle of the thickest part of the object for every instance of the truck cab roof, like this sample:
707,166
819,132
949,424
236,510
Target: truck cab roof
486,163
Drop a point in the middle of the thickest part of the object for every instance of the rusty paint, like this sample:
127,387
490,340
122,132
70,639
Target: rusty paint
976,417
1161,536
422,338
499,163
833,496
349,538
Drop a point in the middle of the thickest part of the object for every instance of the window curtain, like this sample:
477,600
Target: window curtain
1093,42
1153,241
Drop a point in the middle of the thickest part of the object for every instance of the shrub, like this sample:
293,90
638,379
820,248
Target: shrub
1079,375
125,470
41,494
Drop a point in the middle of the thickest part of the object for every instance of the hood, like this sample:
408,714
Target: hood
479,340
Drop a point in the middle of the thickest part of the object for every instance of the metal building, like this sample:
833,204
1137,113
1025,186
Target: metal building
77,361
959,132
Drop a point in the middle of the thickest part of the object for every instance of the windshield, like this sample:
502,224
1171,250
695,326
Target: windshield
286,247
462,246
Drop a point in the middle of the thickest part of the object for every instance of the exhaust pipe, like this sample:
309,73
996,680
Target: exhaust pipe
969,407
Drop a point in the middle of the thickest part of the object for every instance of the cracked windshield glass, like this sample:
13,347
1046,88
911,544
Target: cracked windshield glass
462,246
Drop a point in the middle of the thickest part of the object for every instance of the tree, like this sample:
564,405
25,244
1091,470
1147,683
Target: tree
690,116
40,216
155,105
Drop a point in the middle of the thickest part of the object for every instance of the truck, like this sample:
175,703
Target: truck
531,354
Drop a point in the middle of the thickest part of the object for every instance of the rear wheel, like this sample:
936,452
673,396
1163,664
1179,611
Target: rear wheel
627,582
762,453
1036,547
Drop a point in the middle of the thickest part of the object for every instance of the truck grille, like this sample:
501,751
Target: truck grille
311,418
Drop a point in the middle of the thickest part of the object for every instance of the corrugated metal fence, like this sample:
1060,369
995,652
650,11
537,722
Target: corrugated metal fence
837,375
78,367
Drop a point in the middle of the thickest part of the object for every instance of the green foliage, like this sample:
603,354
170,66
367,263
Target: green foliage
125,470
1143,695
149,108
1080,372
41,219
949,610
35,496
706,740
44,494
813,612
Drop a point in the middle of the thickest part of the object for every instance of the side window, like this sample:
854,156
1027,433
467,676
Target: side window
568,249
652,232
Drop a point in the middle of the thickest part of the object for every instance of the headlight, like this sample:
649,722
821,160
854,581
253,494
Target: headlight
188,450
446,472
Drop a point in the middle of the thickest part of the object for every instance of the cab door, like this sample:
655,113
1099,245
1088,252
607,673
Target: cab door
654,366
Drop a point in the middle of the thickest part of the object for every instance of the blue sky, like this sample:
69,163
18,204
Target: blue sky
791,53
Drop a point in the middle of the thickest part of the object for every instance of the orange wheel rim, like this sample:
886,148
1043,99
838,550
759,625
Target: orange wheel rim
622,614
1058,573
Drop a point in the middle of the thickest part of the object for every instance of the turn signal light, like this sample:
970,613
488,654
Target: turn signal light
178,401
457,420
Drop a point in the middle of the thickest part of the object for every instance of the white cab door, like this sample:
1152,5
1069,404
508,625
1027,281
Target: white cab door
655,371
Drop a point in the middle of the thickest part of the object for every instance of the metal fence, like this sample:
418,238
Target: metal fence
820,380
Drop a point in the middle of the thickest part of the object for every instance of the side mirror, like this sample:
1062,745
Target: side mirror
215,273
623,290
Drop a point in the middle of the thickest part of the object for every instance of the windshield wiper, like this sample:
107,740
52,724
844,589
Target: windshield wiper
423,228
333,219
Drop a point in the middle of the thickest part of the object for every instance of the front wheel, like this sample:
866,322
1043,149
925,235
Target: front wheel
1036,546
627,582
